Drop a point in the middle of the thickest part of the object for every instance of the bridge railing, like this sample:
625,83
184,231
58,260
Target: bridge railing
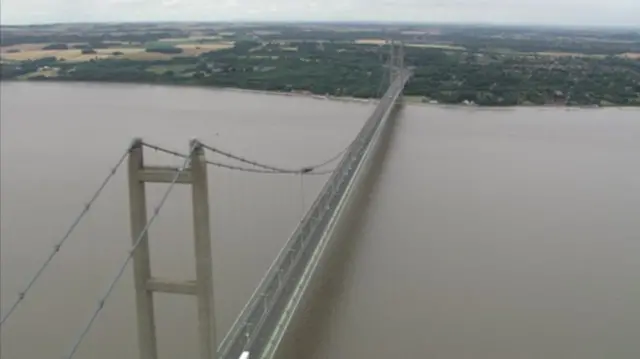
259,318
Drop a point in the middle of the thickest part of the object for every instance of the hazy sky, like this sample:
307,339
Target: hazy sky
561,12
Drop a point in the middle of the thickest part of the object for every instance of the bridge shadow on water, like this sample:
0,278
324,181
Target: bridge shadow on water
319,307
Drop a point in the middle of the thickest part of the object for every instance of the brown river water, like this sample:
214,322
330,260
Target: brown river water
485,233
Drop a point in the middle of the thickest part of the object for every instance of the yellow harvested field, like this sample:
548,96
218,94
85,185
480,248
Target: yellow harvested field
77,56
34,52
143,55
73,55
413,32
437,46
428,46
139,53
208,47
371,41
87,57
263,57
45,73
632,55
101,54
266,32
190,38
197,49
124,50
568,54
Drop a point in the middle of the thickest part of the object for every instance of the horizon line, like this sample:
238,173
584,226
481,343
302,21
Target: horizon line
340,22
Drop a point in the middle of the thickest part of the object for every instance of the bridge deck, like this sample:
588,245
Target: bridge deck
261,325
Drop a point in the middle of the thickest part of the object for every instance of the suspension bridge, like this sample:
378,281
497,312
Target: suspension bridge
262,324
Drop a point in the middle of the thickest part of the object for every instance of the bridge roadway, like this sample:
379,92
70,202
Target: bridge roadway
262,325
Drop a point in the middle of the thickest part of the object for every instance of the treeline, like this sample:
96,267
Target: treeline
7,39
479,38
474,38
343,69
573,45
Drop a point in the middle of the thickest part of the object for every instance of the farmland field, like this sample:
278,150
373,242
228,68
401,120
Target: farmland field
409,44
23,52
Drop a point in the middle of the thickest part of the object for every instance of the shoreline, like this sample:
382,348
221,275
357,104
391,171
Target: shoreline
304,95
412,101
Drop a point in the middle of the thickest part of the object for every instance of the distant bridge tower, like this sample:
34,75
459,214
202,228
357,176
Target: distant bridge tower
396,61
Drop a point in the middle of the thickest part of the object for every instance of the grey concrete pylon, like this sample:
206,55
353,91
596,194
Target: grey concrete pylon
145,284
141,260
202,239
392,61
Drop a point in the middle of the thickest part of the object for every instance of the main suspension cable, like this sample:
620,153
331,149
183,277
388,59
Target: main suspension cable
265,169
137,242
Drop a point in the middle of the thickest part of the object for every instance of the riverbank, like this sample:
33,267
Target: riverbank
417,101
300,94
304,95
410,100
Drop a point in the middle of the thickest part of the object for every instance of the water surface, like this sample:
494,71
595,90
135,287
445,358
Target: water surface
486,233
492,234
58,143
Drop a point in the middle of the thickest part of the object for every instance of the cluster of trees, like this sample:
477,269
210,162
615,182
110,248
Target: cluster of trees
13,70
107,71
333,69
505,80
